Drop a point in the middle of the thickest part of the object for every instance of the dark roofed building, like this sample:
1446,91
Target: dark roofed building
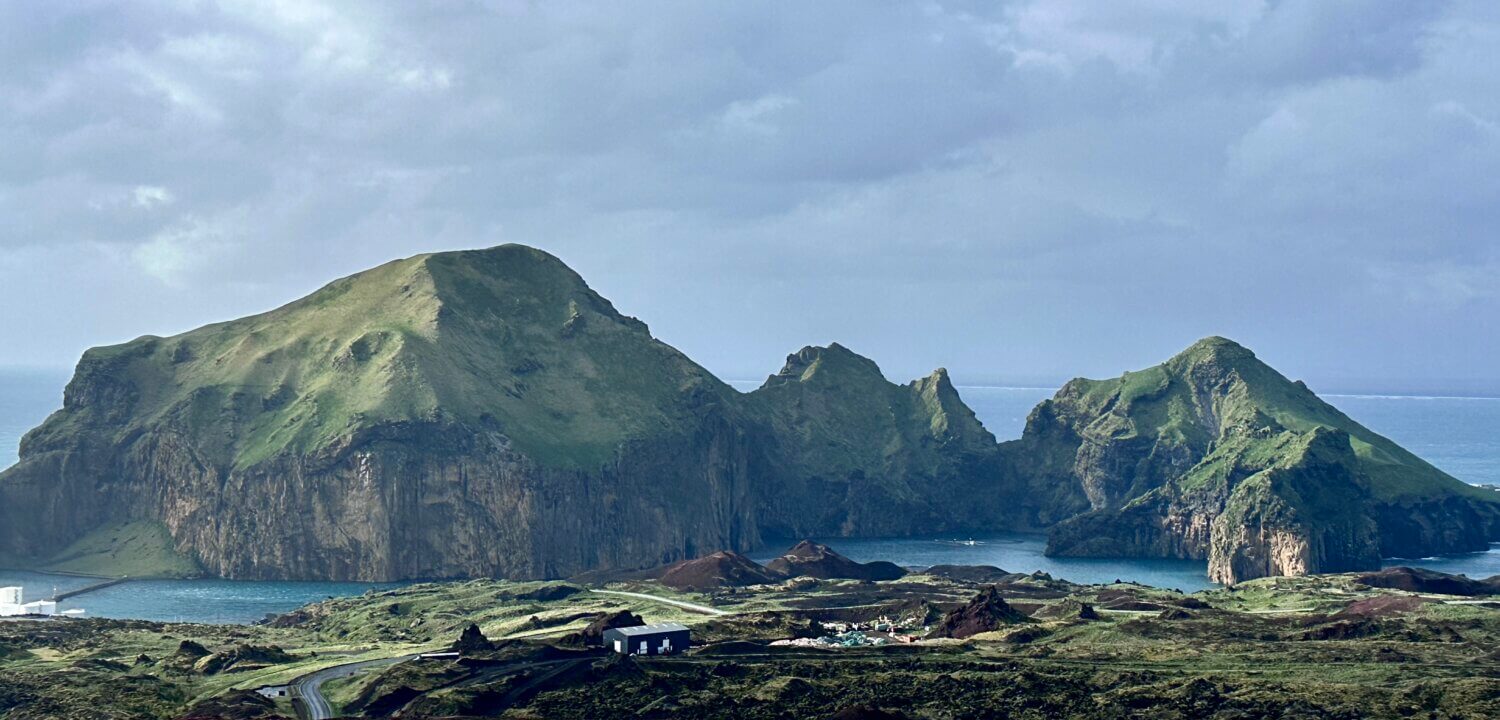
663,639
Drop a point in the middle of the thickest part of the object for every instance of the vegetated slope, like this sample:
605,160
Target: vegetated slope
485,413
469,413
858,455
1215,455
477,413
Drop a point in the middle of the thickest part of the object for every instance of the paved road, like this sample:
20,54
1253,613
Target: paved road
685,605
309,687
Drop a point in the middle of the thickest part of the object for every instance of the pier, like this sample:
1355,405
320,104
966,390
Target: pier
89,588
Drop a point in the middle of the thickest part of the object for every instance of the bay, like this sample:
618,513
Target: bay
1458,435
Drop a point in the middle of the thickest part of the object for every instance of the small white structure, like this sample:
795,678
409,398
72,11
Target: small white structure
11,604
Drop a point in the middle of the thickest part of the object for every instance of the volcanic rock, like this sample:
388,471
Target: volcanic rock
981,574
985,613
1422,580
816,560
593,635
472,641
725,568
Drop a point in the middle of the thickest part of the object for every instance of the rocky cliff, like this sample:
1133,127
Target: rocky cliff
485,413
477,413
474,413
1213,455
858,455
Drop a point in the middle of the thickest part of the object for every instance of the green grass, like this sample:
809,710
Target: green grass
507,338
138,549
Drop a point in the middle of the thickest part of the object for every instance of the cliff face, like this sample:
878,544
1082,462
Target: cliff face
486,413
479,413
858,455
463,414
1213,455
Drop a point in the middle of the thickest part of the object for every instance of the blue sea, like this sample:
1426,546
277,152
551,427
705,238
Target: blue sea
1460,435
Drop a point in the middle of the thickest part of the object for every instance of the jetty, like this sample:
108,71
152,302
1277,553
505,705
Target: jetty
89,588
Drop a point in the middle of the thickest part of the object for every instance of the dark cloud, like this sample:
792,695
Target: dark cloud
1020,190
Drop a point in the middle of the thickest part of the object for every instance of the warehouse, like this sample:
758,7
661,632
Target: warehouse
663,639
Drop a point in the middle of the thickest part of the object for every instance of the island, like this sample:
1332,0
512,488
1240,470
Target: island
486,414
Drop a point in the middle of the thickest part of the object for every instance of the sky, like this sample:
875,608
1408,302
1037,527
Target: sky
1020,191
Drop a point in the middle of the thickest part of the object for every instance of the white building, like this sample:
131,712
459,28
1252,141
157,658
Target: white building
11,604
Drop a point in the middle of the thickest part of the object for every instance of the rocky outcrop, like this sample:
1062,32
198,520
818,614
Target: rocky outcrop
486,413
986,612
718,570
478,413
858,455
471,641
1421,580
815,560
1215,456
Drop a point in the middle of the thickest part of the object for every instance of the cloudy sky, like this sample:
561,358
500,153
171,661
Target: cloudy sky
1021,191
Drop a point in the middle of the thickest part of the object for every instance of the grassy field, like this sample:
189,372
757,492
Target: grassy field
1307,647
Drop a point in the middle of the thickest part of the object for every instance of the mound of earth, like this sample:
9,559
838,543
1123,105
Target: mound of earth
816,560
984,574
594,633
549,593
1069,609
867,712
1422,580
985,613
725,568
1383,606
241,658
235,705
472,641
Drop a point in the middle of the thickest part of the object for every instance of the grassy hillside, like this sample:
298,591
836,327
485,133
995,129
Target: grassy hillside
1215,385
507,338
139,549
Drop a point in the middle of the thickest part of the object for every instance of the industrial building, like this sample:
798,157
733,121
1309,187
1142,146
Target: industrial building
663,639
11,604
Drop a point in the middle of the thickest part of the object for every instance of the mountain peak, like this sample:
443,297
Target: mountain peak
1214,349
814,363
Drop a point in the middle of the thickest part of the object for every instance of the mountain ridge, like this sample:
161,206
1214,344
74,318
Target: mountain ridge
485,412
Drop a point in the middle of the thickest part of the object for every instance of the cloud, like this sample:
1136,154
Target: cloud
152,196
1006,187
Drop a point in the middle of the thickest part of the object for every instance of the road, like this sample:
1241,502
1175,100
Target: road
309,687
679,603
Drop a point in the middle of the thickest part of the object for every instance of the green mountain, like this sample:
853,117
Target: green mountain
856,454
462,414
1214,455
485,413
467,413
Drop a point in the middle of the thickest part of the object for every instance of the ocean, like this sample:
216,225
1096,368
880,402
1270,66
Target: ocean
1457,434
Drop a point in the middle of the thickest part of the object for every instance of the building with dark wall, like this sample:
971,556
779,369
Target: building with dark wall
663,639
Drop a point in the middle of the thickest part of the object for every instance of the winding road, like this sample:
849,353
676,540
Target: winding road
679,603
309,687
